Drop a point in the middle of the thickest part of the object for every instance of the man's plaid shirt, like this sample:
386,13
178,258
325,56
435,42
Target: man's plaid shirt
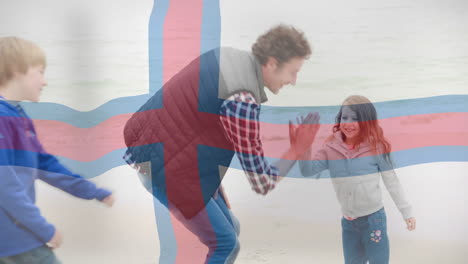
240,118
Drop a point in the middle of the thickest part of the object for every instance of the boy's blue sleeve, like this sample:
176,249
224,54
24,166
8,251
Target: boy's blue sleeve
14,198
55,174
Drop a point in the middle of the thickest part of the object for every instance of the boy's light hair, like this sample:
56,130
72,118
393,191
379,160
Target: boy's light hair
17,56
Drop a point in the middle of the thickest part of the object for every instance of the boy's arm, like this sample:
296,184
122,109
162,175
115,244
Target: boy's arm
13,194
55,174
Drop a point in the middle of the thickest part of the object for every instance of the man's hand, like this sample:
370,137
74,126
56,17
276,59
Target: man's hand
292,134
303,135
55,241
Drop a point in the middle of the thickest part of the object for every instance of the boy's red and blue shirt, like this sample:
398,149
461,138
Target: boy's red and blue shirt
22,161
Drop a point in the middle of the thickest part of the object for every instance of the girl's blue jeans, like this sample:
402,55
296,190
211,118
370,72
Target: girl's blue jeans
365,239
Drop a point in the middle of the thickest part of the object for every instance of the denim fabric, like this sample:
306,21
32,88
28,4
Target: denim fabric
365,239
40,255
217,228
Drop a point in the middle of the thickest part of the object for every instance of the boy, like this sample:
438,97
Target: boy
25,236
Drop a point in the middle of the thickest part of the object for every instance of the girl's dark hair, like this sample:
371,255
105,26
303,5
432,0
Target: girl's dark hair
370,130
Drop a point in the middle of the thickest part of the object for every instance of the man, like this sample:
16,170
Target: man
183,139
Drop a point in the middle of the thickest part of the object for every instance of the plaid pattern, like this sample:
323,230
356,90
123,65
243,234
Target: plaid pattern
240,118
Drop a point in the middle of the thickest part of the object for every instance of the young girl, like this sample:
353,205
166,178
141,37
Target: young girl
357,155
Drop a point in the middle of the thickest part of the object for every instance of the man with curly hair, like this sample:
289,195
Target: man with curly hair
215,102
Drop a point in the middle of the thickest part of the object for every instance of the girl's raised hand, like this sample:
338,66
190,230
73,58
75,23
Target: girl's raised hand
411,223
